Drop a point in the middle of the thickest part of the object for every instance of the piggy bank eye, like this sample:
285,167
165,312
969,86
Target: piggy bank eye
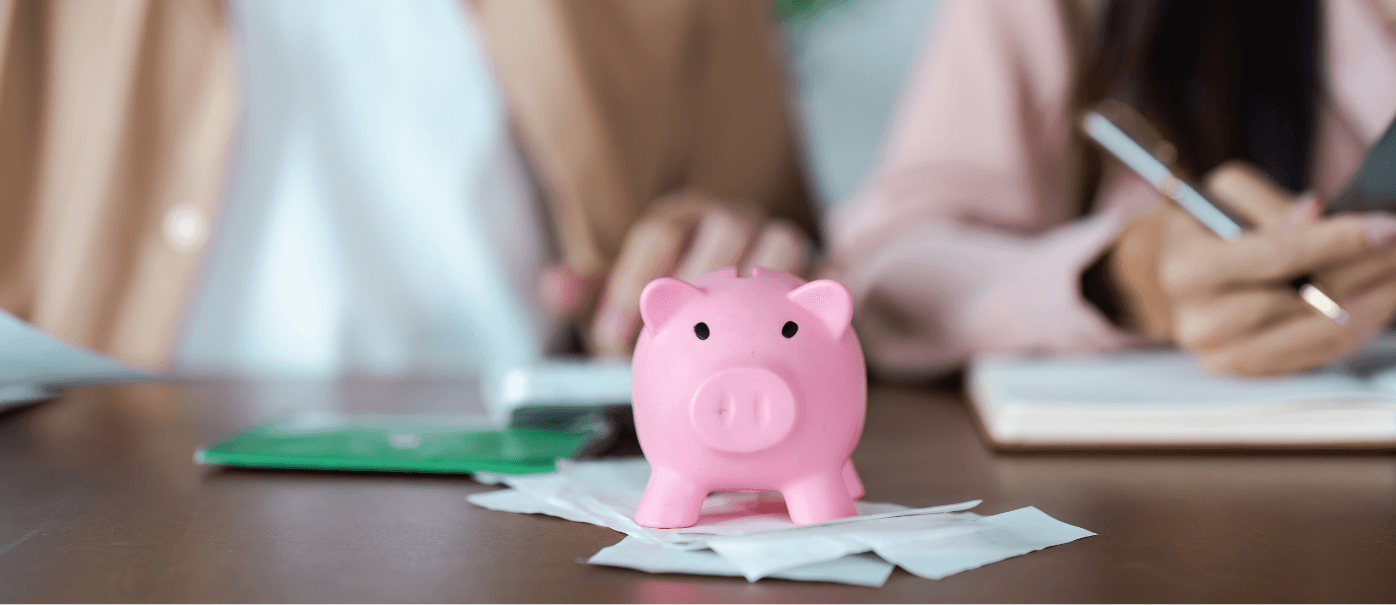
701,331
789,329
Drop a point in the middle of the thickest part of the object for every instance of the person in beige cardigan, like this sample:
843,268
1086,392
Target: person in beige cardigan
659,134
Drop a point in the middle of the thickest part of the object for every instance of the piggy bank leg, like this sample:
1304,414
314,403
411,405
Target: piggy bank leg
819,498
851,481
670,501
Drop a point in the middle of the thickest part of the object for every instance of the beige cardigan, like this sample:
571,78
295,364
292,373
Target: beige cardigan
116,119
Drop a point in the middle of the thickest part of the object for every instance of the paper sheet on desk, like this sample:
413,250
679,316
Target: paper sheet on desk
632,553
751,535
31,362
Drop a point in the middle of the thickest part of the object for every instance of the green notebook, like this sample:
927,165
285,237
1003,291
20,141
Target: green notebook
411,444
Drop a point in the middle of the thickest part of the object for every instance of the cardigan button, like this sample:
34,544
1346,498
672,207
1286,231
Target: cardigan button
185,228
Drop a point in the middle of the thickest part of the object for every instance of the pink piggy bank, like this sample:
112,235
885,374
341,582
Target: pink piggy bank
748,384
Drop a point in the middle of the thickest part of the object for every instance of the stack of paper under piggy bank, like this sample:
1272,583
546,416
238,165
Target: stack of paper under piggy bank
750,534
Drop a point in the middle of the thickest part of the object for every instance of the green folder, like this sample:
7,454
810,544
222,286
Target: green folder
409,444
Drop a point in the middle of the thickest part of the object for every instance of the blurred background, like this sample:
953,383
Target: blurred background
848,62
323,188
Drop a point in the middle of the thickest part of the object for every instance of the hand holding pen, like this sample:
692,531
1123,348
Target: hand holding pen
1237,303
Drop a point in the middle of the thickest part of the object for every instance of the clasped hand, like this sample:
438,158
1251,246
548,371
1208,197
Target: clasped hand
683,235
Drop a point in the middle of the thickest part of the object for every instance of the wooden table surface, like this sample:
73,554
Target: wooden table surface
100,500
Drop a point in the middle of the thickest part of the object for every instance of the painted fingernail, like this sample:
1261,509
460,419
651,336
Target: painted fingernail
1381,231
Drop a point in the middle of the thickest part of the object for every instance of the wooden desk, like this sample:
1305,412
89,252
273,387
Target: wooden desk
100,501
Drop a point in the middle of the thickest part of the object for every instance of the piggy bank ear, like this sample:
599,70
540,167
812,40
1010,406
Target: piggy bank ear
662,297
828,300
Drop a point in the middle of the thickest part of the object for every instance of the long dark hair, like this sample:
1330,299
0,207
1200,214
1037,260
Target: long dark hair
1222,79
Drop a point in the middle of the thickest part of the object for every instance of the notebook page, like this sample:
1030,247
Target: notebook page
1156,378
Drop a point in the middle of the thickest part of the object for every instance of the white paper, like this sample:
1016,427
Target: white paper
762,555
606,493
750,535
31,361
1008,535
932,546
20,394
632,553
515,501
1155,378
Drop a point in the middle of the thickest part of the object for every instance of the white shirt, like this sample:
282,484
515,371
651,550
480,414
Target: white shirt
379,218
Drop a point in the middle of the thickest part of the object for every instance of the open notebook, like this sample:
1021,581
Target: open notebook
1163,398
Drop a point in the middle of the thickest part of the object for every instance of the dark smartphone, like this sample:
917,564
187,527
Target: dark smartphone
1373,187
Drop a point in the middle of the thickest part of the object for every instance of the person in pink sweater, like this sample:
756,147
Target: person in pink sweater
990,226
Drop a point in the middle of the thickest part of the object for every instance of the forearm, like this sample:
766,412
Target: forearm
947,290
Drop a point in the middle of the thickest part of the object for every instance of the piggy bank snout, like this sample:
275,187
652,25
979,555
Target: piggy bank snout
743,410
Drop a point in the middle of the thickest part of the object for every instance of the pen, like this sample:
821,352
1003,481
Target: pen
1212,215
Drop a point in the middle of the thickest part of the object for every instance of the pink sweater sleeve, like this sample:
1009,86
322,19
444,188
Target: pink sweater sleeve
961,243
